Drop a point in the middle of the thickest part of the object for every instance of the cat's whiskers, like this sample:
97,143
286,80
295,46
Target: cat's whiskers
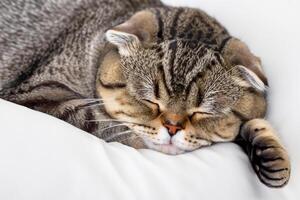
92,100
110,127
101,115
115,120
97,99
89,101
93,105
133,136
117,135
105,120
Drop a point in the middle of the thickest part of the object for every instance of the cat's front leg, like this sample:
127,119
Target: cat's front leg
268,157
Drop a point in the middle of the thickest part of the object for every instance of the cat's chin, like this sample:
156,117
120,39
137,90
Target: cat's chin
170,149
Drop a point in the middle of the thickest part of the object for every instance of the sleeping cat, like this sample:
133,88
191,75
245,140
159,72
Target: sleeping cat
140,73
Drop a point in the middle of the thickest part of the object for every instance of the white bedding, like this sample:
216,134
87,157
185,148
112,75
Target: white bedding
44,158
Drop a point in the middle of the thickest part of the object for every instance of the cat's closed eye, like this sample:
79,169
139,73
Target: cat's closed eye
152,105
202,114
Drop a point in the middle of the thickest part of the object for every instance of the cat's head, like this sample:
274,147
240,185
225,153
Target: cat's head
179,94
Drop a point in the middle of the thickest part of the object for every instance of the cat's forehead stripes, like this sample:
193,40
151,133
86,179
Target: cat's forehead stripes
179,60
160,25
173,28
182,63
167,23
184,23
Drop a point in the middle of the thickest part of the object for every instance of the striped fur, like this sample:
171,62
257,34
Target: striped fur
157,65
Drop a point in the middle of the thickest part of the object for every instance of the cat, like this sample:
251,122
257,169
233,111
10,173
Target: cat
141,73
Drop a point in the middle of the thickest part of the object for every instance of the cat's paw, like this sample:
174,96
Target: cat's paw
270,162
269,159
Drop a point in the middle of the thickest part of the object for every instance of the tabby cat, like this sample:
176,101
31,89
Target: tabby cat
141,73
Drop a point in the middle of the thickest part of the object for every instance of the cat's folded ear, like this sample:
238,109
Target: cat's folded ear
140,28
238,55
126,43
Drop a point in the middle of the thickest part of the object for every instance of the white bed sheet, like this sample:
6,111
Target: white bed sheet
44,158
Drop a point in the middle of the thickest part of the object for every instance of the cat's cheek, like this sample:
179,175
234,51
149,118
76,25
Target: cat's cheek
163,136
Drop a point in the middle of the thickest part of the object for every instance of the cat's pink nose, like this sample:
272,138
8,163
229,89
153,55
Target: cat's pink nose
173,122
172,129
